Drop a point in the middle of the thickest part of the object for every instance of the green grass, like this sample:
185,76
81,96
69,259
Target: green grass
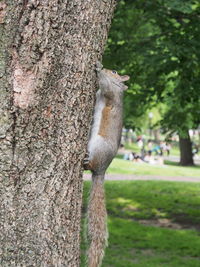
131,243
175,151
132,147
120,166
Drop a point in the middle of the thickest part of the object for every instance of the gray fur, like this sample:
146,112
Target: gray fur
102,148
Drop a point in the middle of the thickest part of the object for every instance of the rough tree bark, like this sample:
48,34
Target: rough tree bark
186,157
47,85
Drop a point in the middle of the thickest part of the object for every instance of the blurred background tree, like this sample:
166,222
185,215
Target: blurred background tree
158,44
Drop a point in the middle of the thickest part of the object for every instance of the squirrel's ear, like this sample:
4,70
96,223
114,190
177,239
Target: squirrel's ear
124,78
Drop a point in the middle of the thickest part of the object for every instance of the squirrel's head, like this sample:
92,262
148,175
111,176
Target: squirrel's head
116,78
111,76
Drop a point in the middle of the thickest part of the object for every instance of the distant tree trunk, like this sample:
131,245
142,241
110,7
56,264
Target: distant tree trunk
186,157
48,50
156,133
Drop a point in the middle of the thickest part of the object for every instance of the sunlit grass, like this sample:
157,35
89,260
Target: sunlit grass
131,243
120,166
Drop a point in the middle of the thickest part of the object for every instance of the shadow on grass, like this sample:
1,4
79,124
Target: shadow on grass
119,156
173,163
131,243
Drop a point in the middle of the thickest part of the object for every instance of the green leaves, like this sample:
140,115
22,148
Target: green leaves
158,44
186,7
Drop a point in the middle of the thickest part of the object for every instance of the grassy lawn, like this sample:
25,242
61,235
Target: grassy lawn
120,166
152,224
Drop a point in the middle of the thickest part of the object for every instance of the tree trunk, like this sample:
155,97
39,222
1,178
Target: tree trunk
48,51
156,133
185,150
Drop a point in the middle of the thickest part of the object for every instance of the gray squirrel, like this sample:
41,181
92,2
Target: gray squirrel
103,144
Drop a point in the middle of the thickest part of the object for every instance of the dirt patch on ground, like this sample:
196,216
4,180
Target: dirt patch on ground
167,223
148,252
186,222
118,177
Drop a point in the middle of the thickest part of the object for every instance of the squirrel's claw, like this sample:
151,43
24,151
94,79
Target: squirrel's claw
86,161
99,66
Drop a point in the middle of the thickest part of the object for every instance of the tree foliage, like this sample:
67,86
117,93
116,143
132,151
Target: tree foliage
158,44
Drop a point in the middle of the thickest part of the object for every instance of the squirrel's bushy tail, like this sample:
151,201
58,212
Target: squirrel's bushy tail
96,221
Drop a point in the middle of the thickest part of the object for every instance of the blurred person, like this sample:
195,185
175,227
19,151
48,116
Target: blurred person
168,148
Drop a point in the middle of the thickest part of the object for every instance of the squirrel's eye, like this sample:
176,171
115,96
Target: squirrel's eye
114,72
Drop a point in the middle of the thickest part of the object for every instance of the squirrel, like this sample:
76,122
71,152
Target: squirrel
105,136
